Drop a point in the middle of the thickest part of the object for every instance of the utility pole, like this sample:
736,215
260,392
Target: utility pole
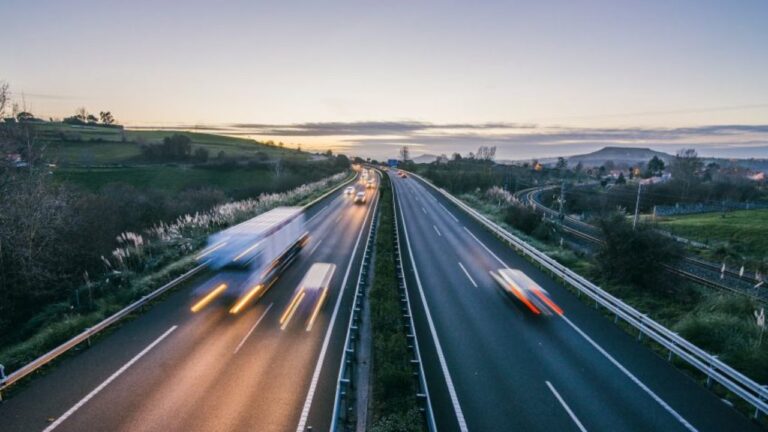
562,199
637,206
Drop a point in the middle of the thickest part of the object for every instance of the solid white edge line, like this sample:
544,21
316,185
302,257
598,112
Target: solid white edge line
106,382
610,358
437,230
467,273
431,420
566,407
449,212
436,341
314,248
351,316
253,328
632,377
321,358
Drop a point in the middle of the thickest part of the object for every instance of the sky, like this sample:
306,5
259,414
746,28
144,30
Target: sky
536,78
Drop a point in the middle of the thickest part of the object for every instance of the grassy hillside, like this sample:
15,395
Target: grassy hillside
94,145
746,232
94,156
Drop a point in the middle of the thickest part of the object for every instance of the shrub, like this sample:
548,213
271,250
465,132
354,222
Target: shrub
636,256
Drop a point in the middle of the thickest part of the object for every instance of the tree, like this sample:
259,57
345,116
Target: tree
91,119
636,257
106,118
685,168
24,116
578,170
456,157
81,114
5,97
621,180
177,147
405,154
655,166
201,155
486,153
561,163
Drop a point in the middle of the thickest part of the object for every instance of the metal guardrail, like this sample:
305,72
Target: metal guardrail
410,327
530,195
85,336
713,368
342,403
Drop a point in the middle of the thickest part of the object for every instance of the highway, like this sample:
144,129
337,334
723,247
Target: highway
493,365
174,370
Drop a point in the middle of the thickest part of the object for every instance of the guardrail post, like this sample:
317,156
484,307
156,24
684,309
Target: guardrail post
709,372
2,379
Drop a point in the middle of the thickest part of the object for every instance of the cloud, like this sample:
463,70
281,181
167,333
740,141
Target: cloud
368,128
513,140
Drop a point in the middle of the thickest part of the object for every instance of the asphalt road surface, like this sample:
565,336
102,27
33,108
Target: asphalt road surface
493,366
174,370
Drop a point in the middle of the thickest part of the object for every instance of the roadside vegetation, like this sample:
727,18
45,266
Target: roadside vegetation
79,240
394,405
140,263
629,265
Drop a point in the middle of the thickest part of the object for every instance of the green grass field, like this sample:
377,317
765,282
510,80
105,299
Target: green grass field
93,145
176,178
745,231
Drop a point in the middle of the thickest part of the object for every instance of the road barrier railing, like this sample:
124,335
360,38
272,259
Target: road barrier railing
343,401
589,233
88,333
410,327
713,368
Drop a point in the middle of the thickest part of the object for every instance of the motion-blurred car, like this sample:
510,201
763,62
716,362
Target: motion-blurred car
312,291
528,292
360,198
349,190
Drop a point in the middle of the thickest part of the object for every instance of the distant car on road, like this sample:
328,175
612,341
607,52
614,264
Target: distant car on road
360,198
371,184
519,285
349,190
402,174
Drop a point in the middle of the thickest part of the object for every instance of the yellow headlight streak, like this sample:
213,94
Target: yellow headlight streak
317,309
245,299
288,314
208,298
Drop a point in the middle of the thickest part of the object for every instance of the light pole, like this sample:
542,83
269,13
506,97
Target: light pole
637,206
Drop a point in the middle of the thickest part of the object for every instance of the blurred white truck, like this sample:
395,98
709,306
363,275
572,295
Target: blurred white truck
264,245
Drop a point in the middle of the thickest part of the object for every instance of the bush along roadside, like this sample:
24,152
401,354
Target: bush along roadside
395,406
719,322
143,263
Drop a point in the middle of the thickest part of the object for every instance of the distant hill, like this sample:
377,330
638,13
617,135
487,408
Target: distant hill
627,156
424,159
